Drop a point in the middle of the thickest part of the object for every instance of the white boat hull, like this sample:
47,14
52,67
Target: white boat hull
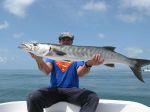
104,106
146,70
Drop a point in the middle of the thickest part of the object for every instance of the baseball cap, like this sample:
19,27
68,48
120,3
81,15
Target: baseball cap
66,34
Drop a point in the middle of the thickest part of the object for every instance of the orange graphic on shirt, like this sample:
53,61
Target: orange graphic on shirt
63,65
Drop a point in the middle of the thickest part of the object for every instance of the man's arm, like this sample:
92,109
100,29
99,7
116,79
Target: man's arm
45,67
95,60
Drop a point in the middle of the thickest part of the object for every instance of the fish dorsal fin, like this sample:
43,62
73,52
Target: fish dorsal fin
109,48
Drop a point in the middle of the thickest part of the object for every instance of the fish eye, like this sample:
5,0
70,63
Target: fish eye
34,44
50,48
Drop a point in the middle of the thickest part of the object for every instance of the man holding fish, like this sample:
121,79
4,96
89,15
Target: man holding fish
64,79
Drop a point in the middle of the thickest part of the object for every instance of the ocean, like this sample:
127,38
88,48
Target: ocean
15,85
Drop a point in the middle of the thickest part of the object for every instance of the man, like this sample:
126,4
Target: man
64,81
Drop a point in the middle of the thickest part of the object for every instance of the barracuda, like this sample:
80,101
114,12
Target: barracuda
73,52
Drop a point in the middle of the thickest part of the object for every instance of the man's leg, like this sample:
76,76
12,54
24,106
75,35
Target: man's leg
86,99
90,101
42,98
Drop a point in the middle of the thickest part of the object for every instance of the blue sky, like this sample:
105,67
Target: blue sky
124,24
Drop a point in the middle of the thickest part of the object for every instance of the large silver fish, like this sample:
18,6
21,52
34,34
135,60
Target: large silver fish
73,52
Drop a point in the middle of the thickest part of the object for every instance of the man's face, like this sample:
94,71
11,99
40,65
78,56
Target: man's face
66,41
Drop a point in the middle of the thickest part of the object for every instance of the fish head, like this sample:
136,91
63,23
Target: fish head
36,48
43,49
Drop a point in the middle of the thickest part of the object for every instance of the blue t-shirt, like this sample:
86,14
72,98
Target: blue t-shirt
64,73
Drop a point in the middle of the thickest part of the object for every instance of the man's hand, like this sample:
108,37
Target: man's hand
95,60
35,56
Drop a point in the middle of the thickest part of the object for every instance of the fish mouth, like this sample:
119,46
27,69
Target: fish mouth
24,46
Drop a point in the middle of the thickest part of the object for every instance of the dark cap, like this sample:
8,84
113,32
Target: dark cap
66,35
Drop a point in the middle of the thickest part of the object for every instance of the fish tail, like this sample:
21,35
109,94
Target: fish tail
136,68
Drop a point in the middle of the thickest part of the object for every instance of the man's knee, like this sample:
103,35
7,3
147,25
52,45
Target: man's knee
89,96
93,97
90,103
33,96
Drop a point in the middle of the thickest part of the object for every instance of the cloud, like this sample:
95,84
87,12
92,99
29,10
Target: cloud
133,51
5,56
133,10
129,18
101,35
141,5
17,7
3,60
97,6
4,25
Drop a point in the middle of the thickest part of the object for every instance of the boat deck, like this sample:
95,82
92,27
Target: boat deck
104,106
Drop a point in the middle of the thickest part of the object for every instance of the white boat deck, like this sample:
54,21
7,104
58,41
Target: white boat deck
104,106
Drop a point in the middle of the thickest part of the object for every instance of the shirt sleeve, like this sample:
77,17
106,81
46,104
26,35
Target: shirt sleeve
48,60
80,63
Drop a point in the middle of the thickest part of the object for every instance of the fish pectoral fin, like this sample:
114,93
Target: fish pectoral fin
110,65
109,48
60,53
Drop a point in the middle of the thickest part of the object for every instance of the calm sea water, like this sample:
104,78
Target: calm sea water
108,84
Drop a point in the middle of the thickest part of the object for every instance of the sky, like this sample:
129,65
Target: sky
124,24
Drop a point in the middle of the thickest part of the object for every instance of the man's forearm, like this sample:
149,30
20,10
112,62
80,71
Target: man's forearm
42,66
95,60
46,68
82,70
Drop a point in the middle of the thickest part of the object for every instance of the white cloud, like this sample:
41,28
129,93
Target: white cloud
17,7
4,25
3,60
101,35
132,51
134,10
5,56
137,4
129,18
97,6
